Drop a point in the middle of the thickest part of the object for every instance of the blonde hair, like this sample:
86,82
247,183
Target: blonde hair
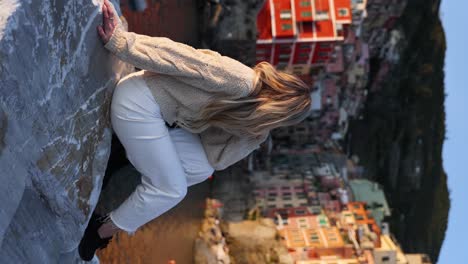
278,99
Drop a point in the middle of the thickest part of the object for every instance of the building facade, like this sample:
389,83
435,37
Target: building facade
295,35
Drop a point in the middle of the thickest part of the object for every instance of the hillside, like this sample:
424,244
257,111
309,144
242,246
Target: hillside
401,136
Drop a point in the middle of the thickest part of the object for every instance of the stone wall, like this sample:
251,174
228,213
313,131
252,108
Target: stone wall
55,86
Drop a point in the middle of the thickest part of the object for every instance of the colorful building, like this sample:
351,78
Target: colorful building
314,221
373,194
282,215
418,259
295,35
368,230
315,243
389,252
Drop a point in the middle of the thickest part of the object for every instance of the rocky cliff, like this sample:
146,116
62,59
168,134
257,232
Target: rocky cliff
55,86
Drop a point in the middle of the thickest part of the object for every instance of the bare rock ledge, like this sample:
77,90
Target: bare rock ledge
56,81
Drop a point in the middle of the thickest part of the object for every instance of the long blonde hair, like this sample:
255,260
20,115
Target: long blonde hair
278,99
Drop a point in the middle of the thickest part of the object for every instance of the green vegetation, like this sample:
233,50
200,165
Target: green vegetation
400,139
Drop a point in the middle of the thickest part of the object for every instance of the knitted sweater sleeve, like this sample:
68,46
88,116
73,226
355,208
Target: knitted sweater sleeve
204,69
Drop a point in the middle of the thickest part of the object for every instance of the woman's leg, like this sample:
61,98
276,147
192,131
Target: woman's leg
138,123
192,155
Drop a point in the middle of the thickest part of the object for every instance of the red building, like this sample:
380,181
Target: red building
295,35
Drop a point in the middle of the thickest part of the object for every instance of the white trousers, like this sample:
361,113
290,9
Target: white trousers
168,160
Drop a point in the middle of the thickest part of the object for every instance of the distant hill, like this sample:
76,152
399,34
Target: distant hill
400,139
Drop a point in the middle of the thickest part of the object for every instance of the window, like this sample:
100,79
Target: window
321,15
358,217
298,239
300,212
385,259
284,56
288,205
304,3
314,237
286,26
323,54
285,14
339,30
281,65
306,14
297,72
343,12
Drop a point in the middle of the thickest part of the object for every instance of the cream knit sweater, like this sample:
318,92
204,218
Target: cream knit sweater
183,80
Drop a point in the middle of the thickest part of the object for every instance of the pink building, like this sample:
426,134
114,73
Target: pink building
285,213
330,182
329,94
336,62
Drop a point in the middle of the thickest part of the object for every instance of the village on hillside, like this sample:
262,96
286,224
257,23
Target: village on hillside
307,196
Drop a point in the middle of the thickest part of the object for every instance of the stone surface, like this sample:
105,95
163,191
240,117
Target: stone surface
55,85
255,242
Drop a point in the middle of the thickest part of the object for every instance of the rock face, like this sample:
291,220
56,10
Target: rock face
256,242
55,88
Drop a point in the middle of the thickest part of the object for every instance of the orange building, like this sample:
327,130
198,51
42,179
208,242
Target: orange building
315,242
297,34
364,217
313,221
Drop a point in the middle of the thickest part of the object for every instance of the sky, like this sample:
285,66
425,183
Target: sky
454,18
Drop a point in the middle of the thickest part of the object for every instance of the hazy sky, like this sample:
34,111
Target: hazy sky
454,17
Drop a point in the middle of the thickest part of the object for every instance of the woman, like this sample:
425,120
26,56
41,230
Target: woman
222,109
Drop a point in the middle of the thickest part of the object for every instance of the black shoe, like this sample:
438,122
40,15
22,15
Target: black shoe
91,240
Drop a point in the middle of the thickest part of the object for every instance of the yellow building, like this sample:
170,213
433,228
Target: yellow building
322,237
418,259
389,252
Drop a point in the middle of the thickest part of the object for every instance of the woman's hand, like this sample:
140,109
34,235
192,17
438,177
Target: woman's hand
109,22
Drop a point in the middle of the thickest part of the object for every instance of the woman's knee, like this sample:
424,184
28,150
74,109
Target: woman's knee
175,191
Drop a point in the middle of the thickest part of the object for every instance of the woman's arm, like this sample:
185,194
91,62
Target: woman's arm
205,69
